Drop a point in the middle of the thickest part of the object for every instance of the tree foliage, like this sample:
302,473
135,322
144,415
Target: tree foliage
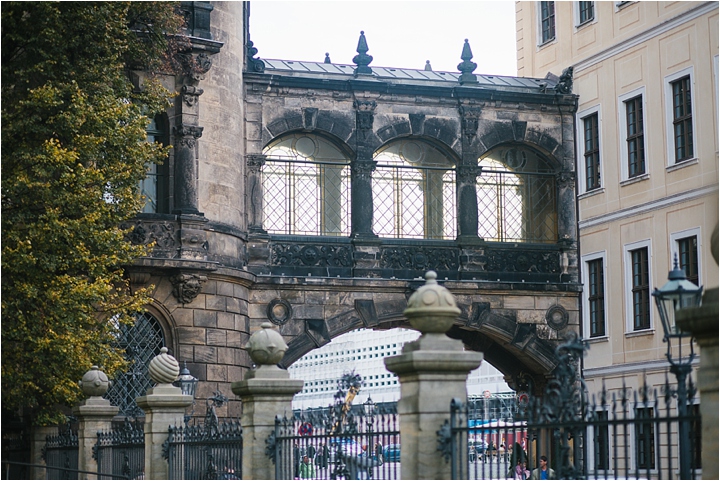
73,152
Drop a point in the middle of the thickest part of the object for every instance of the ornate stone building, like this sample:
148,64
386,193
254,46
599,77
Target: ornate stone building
315,195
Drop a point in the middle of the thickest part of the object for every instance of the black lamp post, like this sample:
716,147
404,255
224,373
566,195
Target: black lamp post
678,293
187,384
369,407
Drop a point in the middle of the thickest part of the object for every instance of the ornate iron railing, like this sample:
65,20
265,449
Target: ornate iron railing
61,454
121,451
212,450
619,433
351,447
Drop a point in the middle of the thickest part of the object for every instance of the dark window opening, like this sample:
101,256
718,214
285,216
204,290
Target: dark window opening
640,289
682,119
547,21
596,297
688,258
587,11
635,137
591,152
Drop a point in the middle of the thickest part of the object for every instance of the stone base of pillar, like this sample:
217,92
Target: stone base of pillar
432,371
164,406
94,414
265,393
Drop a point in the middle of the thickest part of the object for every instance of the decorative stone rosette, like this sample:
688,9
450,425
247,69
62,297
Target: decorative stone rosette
432,308
163,368
267,346
95,382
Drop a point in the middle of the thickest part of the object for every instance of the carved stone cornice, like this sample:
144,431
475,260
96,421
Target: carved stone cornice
195,66
363,169
187,286
365,113
187,135
255,162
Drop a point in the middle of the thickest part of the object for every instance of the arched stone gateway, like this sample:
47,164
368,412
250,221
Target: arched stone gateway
316,195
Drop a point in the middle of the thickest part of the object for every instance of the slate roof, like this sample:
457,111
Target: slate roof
334,71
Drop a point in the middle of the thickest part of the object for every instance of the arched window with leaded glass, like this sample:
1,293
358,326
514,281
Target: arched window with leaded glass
516,196
306,185
414,191
141,342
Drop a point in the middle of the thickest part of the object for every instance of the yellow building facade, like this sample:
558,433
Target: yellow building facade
646,159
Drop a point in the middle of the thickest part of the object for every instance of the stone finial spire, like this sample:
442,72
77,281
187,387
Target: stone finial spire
428,67
362,59
466,67
327,58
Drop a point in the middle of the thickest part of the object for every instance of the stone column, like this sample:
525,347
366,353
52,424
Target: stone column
186,169
265,392
164,406
256,194
467,208
94,414
361,170
702,322
432,371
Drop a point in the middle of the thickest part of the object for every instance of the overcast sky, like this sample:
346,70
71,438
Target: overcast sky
399,33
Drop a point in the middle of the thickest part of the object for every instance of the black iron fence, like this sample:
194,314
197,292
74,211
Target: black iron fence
621,433
205,452
321,445
121,451
61,454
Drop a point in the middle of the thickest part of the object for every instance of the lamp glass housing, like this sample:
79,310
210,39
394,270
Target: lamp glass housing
369,407
186,382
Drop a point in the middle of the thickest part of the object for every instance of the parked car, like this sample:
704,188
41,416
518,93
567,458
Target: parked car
347,445
391,453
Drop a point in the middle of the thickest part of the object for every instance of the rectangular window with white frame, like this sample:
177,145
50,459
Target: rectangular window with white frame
584,13
638,288
632,130
685,246
547,22
594,300
645,437
589,149
679,108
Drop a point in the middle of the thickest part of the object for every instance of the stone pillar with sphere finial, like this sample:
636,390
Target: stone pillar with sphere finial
702,322
433,371
164,406
266,392
94,414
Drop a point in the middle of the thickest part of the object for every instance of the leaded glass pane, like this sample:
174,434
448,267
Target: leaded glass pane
141,341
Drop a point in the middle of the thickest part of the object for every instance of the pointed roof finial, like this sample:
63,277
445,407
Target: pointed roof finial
466,67
428,67
327,58
362,59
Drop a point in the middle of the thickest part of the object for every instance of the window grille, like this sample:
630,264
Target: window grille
635,137
640,289
141,341
682,119
306,183
515,206
547,21
414,192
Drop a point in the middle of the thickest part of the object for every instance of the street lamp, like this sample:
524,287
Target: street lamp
187,384
369,407
678,293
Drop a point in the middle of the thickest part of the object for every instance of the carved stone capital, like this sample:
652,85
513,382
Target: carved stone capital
186,287
255,162
468,173
190,95
187,135
363,169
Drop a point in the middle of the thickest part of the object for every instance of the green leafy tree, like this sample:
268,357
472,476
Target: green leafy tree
73,152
